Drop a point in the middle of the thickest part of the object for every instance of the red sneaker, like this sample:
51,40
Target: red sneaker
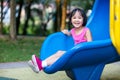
37,62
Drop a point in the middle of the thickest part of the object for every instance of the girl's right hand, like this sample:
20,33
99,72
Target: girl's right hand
65,31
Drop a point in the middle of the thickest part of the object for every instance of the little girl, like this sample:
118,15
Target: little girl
80,33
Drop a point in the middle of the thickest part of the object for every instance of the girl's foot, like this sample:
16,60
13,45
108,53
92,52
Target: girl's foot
33,67
37,62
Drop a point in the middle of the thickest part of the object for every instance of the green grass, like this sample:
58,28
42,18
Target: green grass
19,50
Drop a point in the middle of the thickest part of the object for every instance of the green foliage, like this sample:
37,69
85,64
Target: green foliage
37,28
85,4
19,50
6,29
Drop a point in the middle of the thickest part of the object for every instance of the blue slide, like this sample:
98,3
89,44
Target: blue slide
84,61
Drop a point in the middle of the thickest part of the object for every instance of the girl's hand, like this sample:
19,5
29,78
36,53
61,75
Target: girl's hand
65,31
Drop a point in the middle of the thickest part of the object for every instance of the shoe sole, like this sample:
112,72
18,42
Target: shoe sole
35,62
32,66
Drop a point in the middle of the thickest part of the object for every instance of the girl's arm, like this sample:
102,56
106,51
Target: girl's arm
88,36
65,31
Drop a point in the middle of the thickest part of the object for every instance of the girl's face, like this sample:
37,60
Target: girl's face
77,20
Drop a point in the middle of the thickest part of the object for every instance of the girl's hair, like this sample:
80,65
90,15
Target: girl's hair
81,12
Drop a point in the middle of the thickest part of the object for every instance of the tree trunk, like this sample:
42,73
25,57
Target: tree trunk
1,20
28,14
64,8
58,15
18,17
12,20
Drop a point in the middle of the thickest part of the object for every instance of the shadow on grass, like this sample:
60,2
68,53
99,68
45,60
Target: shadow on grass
5,78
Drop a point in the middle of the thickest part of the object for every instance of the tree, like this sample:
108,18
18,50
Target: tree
1,20
28,15
64,9
20,3
58,15
12,20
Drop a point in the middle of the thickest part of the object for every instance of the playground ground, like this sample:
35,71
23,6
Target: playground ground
21,71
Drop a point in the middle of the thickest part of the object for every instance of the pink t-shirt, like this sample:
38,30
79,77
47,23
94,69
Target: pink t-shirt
79,37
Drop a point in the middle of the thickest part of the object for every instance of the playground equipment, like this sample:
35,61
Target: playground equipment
115,23
86,61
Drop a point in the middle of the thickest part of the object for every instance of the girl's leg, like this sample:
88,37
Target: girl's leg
50,60
36,64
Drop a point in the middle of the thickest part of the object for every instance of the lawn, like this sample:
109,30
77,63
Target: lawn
19,50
